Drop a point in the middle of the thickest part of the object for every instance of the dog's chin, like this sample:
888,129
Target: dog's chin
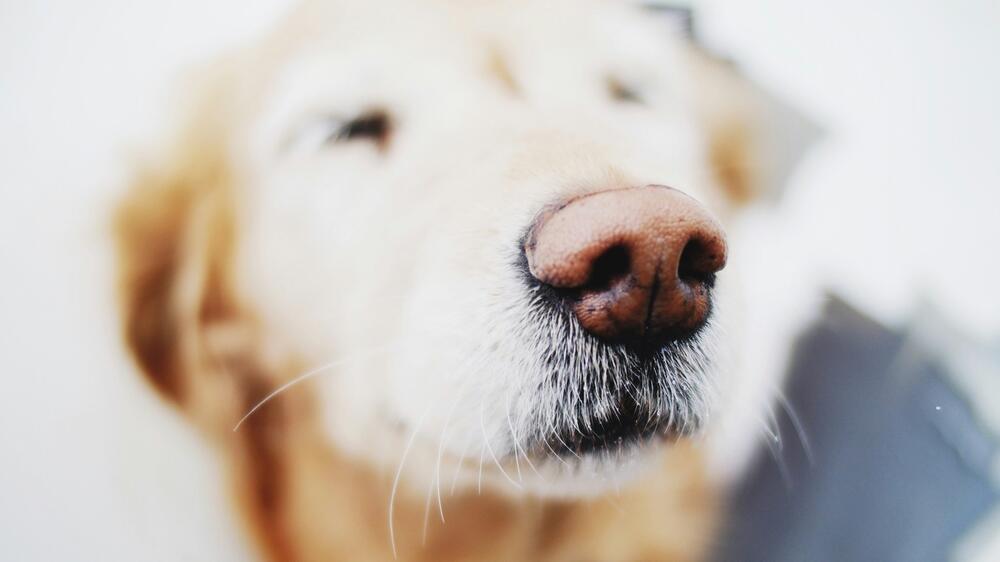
629,426
603,412
606,401
609,425
602,470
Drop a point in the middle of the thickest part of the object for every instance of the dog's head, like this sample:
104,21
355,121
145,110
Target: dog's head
491,230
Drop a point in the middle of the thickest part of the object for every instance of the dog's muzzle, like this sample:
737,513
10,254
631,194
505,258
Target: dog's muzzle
630,273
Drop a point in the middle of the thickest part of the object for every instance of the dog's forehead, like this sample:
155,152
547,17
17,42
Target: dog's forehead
382,46
410,28
350,56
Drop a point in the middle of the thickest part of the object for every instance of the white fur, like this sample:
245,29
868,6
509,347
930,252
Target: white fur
399,264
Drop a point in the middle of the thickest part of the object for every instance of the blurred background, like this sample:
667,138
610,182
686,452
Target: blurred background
894,211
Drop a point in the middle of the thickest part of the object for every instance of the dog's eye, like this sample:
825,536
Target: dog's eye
621,92
370,126
374,126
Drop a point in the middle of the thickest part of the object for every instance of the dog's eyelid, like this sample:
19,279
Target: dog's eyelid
621,91
310,133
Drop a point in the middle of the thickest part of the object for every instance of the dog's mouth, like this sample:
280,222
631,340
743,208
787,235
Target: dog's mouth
609,398
653,400
629,425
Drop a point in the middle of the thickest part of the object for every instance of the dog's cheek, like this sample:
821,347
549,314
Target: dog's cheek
440,365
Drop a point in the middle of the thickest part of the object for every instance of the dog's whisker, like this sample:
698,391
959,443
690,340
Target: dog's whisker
513,435
518,445
305,376
773,442
527,459
774,423
489,447
769,432
568,448
399,474
427,511
437,474
436,480
556,455
796,422
441,444
458,468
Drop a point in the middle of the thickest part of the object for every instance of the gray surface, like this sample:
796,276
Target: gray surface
899,467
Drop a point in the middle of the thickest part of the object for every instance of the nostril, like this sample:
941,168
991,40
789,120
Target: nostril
698,263
608,269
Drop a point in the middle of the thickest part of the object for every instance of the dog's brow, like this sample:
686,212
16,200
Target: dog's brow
499,68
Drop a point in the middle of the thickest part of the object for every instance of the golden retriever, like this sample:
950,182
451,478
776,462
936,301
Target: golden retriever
439,228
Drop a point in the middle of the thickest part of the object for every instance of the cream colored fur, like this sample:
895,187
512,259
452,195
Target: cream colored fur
260,249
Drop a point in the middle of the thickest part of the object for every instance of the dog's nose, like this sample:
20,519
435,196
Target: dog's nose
636,264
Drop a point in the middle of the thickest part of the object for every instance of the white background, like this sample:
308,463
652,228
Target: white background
896,206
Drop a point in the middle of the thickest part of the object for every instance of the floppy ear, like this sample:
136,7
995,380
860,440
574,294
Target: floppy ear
174,235
174,232
754,139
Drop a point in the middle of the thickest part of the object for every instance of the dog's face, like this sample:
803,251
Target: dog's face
391,173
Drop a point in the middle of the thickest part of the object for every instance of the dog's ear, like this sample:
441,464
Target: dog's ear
174,237
754,139
183,320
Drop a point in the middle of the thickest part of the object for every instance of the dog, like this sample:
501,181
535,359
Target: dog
447,281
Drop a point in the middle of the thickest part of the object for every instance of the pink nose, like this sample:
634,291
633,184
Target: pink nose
636,263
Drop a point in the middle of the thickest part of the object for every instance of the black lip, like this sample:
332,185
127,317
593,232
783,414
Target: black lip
630,425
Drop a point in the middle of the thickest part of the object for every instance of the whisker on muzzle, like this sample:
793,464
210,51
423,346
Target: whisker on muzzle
312,373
